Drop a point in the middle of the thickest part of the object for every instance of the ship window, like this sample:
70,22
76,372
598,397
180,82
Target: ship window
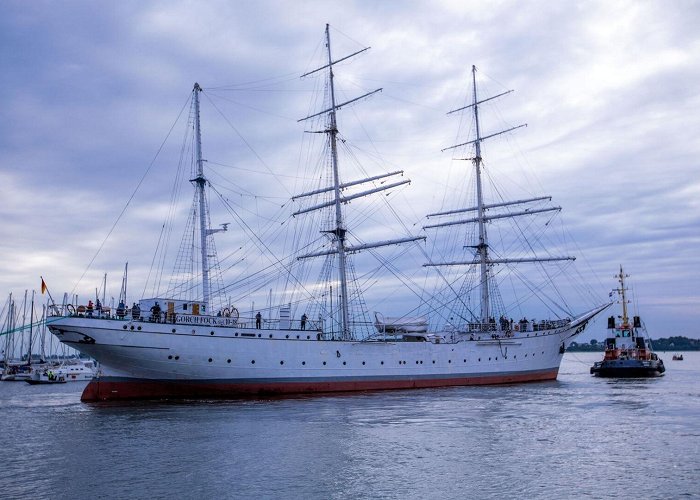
465,360
297,336
138,328
344,363
228,360
170,357
433,361
210,360
270,335
324,363
286,336
303,362
381,363
177,357
363,362
173,330
211,333
479,360
124,327
184,307
252,362
281,362
416,362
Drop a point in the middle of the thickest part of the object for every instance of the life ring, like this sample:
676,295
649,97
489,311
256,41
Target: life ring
234,314
70,309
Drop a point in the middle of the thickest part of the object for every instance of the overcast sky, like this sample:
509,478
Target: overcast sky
610,91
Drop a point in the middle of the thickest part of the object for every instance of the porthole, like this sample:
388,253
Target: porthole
138,328
236,334
270,335
324,363
465,360
281,362
421,362
210,360
252,362
449,361
433,361
479,360
345,363
210,333
363,363
177,357
228,360
173,330
124,327
297,336
170,357
286,336
400,362
303,363
381,363
416,362
496,359
259,335
489,359
308,337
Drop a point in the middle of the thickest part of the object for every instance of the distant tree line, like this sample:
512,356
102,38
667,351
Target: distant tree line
669,344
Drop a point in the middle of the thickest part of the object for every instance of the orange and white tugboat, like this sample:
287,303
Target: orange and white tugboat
628,351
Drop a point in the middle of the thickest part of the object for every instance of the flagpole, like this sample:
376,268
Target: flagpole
45,288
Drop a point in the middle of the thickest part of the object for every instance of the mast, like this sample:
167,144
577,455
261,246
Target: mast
200,181
621,277
339,226
482,247
339,231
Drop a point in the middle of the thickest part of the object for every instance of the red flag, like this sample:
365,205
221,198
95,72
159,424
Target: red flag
43,286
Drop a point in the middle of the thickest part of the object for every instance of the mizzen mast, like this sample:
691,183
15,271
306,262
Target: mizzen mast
200,182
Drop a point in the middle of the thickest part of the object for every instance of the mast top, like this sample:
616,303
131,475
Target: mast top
197,88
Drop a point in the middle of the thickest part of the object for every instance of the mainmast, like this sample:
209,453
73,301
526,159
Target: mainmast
339,225
483,246
339,230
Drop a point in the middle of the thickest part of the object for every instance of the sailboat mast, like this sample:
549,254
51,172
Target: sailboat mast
482,247
200,180
339,227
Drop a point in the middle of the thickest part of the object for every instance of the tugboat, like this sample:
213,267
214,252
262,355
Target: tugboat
628,351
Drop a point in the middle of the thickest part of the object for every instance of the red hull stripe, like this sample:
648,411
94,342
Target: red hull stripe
117,388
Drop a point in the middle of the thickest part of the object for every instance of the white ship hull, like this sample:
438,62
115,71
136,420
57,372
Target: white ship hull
146,360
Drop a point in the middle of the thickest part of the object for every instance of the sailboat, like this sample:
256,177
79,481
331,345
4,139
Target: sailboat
628,351
166,347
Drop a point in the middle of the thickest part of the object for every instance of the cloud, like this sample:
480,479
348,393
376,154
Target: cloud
92,90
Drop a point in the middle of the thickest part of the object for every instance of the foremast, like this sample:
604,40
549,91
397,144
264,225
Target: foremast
339,232
482,247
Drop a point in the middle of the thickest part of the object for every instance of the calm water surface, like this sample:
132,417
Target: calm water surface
577,437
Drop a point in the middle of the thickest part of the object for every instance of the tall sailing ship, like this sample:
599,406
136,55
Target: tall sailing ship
167,347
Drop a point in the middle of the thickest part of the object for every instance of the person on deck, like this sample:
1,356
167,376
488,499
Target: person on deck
303,321
258,319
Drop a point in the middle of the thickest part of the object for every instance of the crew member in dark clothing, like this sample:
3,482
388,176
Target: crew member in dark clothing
258,319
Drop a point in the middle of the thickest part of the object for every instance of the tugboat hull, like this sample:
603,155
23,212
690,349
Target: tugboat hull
630,368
